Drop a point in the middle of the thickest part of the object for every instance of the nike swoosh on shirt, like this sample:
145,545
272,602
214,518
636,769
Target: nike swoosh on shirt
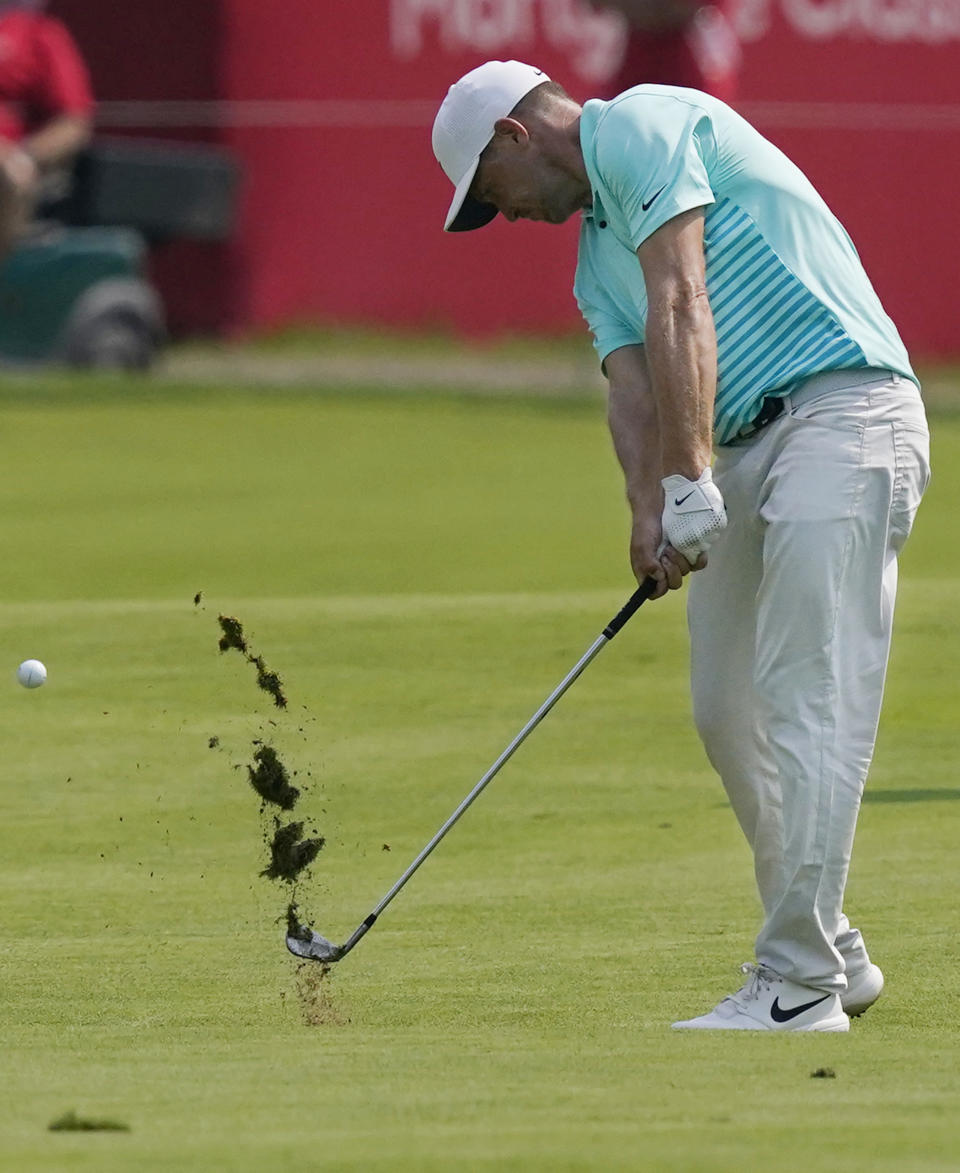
780,1015
647,204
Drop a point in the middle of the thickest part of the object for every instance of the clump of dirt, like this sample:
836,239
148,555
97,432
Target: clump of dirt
71,1122
269,681
233,636
823,1073
290,853
270,779
294,928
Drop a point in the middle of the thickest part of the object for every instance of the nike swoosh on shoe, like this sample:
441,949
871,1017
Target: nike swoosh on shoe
779,1014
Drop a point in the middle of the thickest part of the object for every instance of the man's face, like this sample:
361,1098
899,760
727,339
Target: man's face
523,183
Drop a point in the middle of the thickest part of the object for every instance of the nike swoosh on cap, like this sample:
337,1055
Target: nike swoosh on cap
778,1014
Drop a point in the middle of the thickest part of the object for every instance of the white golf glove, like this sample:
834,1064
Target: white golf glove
693,514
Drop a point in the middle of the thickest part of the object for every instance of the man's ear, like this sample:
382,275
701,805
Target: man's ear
511,128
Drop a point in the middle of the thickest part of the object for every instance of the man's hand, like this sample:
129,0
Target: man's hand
651,557
18,182
19,171
694,515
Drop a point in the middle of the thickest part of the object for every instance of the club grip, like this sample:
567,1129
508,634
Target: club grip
630,607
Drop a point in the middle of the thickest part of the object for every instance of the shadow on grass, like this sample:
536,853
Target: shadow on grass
943,794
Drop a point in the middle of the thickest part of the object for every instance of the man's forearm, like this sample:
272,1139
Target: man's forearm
58,141
681,343
18,175
681,348
632,416
635,428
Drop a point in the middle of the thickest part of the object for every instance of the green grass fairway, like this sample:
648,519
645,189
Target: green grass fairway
421,572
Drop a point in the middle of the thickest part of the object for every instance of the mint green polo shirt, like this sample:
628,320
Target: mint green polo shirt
789,295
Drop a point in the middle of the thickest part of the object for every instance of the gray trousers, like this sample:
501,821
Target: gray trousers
790,628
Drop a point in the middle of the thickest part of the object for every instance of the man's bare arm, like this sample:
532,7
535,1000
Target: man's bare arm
22,164
681,351
632,416
56,143
681,345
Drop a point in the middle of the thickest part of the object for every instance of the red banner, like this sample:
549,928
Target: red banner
330,107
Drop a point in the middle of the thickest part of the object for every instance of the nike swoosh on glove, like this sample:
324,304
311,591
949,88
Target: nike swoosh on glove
694,515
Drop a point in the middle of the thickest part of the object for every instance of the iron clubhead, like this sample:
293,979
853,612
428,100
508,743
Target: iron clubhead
312,947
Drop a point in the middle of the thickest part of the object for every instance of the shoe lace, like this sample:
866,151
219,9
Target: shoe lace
759,978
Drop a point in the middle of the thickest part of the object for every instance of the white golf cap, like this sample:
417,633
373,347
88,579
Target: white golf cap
464,125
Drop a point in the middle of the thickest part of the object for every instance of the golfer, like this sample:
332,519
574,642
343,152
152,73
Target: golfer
735,324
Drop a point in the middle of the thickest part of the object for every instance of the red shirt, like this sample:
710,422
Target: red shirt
41,73
704,55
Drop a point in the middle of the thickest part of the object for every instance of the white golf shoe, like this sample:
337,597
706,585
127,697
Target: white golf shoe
771,1002
863,989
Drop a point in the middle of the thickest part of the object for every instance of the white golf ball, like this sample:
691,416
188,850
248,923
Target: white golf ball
31,674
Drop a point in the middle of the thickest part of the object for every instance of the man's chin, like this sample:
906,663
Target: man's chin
548,215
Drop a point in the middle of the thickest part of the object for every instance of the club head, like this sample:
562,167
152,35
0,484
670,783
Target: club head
312,947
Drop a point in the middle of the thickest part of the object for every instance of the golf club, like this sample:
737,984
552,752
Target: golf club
304,942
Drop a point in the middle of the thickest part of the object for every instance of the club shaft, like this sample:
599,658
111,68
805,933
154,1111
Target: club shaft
496,767
643,592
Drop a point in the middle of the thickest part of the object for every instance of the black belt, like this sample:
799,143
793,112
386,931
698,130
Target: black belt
770,409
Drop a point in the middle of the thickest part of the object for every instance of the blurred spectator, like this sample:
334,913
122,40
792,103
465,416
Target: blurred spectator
678,43
46,109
